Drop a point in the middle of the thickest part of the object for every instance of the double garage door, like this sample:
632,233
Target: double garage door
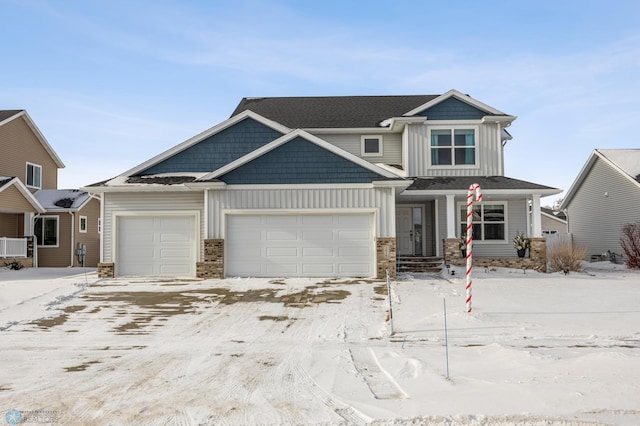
296,245
311,245
156,245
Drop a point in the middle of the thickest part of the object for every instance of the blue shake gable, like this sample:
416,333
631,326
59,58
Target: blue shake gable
218,149
298,162
453,109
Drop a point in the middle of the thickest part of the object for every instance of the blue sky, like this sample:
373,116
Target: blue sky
112,83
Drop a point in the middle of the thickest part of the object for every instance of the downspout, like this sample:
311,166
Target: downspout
73,243
35,240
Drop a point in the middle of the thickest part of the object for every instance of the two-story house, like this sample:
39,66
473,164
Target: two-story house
320,186
39,224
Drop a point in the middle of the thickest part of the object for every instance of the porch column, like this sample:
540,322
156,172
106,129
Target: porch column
451,216
536,219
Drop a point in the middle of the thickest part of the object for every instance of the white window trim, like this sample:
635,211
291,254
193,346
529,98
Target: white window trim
86,224
371,154
462,219
476,130
57,218
26,174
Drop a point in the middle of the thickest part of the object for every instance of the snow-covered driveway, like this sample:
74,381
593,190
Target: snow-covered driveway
536,348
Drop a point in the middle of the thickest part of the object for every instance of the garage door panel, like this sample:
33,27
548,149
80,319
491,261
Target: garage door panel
156,245
300,245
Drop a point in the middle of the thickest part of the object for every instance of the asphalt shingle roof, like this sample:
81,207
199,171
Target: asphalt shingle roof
6,113
485,182
332,111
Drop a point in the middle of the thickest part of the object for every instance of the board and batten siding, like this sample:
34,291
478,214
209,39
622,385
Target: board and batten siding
488,153
516,222
391,146
603,203
316,199
141,202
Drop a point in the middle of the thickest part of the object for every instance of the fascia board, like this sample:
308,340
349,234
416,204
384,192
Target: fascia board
404,183
349,130
203,135
523,192
550,216
25,193
138,188
578,180
288,137
460,96
38,134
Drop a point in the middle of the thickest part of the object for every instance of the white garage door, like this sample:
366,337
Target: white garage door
303,245
156,245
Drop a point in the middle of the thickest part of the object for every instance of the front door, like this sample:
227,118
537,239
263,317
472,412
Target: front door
409,231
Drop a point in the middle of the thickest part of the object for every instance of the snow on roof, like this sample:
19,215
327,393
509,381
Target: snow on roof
627,159
53,199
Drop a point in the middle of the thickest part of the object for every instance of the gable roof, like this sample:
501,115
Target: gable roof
7,181
62,199
9,115
349,111
291,136
557,215
624,161
204,135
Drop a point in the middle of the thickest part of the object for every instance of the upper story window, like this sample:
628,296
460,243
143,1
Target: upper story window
371,146
453,146
489,221
34,175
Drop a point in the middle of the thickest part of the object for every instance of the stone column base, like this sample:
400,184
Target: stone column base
385,257
106,270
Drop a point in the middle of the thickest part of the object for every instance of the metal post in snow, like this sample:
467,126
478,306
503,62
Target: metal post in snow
390,307
469,246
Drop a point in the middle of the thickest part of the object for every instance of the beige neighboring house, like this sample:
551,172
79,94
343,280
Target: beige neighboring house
553,222
40,225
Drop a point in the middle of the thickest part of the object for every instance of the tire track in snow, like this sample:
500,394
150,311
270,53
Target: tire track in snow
380,383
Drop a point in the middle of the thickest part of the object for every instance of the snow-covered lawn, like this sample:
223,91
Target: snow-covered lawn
538,349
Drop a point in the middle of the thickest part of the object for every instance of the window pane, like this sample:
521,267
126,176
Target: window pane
441,138
494,231
36,177
465,156
37,230
464,137
50,232
372,146
417,231
494,213
440,156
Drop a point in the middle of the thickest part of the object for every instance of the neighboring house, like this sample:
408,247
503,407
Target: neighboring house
31,205
319,186
553,222
604,197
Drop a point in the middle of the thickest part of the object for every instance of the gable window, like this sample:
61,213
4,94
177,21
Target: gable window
45,229
489,221
82,224
371,146
34,175
453,147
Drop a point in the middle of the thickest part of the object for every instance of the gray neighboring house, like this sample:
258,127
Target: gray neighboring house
604,197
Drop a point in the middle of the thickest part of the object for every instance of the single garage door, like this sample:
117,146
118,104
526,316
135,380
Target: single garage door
156,245
300,245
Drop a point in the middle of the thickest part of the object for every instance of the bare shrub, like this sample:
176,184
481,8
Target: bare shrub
630,242
565,256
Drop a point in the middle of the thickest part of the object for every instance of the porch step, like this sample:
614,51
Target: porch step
425,264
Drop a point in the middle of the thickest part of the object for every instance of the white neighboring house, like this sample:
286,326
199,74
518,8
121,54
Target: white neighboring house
604,197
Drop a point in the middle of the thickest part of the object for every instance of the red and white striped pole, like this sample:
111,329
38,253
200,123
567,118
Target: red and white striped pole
473,188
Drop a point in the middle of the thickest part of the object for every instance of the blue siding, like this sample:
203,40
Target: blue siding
453,109
299,161
219,149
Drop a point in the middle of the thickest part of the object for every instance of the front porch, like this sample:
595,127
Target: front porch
536,258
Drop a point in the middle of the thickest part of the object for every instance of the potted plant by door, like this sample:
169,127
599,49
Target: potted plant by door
521,243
